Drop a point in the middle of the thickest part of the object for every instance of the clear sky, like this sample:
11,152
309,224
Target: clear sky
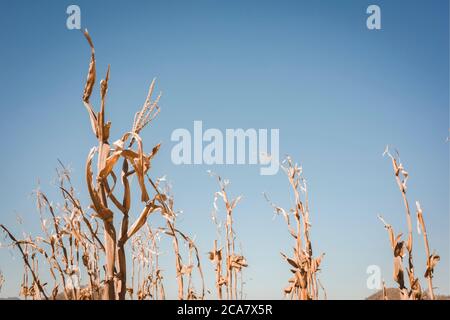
338,92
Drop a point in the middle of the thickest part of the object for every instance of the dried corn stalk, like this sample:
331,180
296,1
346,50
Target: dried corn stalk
432,259
30,287
146,273
134,163
183,271
414,292
69,245
234,262
304,284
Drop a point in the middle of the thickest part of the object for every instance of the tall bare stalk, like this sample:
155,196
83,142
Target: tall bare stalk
146,273
234,262
432,259
304,284
183,271
414,292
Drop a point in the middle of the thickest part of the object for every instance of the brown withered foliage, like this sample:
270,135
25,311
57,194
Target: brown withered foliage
304,284
74,236
228,263
183,271
81,253
71,244
147,278
68,248
135,162
398,246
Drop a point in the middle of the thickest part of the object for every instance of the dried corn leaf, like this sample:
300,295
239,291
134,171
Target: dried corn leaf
91,73
289,260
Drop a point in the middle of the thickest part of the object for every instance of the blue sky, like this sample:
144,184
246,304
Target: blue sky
338,92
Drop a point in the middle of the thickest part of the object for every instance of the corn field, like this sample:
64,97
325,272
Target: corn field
76,243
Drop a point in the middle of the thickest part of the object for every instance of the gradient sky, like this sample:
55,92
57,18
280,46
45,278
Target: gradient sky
338,92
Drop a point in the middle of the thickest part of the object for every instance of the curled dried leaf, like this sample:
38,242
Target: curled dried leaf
90,81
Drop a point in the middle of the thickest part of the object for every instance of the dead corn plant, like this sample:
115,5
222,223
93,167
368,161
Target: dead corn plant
31,285
398,246
304,285
69,247
129,149
184,271
74,235
234,262
147,279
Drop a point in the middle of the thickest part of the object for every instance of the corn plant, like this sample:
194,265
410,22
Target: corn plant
100,190
147,279
234,262
183,271
69,246
304,285
414,291
71,241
